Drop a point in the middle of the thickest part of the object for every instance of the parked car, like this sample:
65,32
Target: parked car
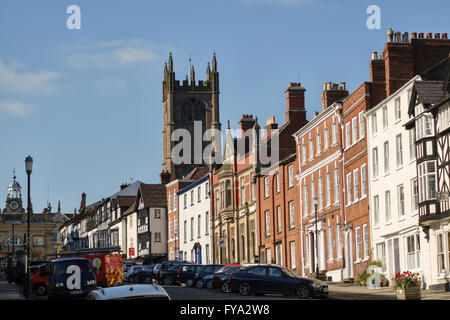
207,270
221,278
69,278
39,282
208,281
132,273
130,292
145,275
274,279
165,265
186,274
170,276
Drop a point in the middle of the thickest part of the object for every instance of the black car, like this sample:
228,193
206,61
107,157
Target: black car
221,278
165,265
170,276
144,275
186,274
206,270
274,279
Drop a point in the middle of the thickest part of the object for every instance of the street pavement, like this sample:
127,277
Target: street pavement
10,291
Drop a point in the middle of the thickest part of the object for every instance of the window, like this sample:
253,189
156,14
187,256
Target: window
381,255
38,240
170,203
319,193
170,230
157,213
349,189
174,201
267,213
206,189
293,260
398,140
386,156
206,223
185,231
290,176
305,200
199,194
252,187
192,228
175,228
355,185
157,237
338,242
307,251
440,253
363,181
398,113
185,200
415,194
269,256
362,128
266,187
358,243
325,139
277,180
354,130
366,241
291,214
303,153
401,200
387,203
412,144
424,126
427,181
199,218
278,256
330,243
376,211
334,133
318,144
347,135
385,117
313,194
375,162
311,149
278,219
207,254
374,124
192,197
242,190
327,189
336,185
413,247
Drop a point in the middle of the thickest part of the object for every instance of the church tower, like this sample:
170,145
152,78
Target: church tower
185,105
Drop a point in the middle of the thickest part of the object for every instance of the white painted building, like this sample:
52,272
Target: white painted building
194,222
396,237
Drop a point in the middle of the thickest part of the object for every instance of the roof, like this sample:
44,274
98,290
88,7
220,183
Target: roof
430,92
123,201
154,195
197,173
129,291
131,190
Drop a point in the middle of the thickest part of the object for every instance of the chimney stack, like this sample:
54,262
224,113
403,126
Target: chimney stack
83,200
332,92
246,123
165,177
295,101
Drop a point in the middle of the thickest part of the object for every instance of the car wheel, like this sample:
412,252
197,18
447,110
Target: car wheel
209,284
41,290
168,280
244,289
190,283
302,292
199,284
226,287
147,279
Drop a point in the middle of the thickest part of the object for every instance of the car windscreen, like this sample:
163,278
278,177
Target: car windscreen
62,266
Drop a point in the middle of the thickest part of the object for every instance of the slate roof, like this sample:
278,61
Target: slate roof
154,195
197,173
430,92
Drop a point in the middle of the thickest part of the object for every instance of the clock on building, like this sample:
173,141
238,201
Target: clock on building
13,205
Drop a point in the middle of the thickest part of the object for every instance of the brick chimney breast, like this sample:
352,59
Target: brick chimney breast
295,103
332,92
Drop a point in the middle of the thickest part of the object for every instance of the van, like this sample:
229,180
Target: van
69,278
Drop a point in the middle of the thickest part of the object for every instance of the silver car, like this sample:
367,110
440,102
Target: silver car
130,292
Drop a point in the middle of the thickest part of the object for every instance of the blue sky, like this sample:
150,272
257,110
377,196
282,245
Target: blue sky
86,104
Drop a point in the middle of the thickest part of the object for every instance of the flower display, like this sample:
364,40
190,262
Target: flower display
406,279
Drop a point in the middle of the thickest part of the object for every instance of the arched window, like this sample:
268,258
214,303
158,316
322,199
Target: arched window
193,110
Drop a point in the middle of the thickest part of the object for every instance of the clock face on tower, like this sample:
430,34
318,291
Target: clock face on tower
13,205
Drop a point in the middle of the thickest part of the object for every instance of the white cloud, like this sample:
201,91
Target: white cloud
13,78
111,53
15,108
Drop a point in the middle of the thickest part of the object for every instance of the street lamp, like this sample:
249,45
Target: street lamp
29,169
317,248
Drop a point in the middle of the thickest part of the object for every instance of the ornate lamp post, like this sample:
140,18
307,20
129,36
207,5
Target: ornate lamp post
29,169
317,235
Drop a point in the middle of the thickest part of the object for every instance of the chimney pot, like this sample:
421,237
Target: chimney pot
398,37
374,55
429,35
413,35
420,35
405,37
342,86
437,35
390,34
444,36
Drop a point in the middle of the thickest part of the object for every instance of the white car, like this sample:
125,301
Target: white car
130,292
131,270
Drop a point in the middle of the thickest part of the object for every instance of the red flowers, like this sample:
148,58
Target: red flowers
407,279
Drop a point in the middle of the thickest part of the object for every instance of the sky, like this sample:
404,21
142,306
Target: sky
86,103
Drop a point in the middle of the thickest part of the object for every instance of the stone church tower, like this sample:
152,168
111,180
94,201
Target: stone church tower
184,104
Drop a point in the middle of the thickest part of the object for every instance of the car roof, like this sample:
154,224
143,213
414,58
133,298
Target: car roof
134,290
68,259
